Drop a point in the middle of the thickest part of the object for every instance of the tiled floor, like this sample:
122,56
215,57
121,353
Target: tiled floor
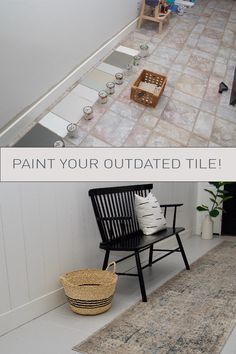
59,330
196,51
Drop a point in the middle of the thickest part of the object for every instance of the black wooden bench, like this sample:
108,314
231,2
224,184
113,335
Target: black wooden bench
119,229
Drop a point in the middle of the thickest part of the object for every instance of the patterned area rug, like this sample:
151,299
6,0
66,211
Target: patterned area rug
193,313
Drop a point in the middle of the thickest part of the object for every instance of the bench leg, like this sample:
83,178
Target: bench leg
140,276
182,252
106,258
150,256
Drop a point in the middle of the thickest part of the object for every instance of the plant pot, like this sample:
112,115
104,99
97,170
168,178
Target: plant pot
207,228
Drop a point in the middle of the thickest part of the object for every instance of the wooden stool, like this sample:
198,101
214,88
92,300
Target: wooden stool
157,16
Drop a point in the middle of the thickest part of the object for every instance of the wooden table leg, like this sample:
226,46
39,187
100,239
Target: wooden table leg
141,14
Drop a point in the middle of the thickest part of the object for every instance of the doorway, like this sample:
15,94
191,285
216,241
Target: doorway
229,218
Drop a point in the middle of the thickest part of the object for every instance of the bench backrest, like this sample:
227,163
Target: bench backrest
114,210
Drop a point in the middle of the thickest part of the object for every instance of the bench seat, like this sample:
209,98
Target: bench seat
140,241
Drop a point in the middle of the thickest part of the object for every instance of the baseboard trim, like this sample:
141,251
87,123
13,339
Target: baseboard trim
23,122
38,307
25,313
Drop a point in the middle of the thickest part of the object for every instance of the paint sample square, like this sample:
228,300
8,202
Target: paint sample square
71,108
109,69
85,92
38,136
55,124
97,80
119,59
126,50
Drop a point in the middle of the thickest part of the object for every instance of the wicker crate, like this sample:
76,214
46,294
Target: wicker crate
90,291
144,97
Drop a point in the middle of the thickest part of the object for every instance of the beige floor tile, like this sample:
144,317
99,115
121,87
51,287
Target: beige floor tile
208,45
200,62
157,111
208,107
183,57
173,132
148,120
204,125
196,73
180,114
157,140
113,129
224,134
191,85
213,33
127,110
219,69
138,137
91,141
197,141
227,113
183,97
164,55
212,93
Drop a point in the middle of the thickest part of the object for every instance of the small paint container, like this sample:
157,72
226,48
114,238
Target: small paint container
119,78
72,130
110,88
136,60
88,112
144,50
59,144
103,97
128,70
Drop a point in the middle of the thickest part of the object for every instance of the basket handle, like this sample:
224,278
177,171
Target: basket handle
112,264
62,279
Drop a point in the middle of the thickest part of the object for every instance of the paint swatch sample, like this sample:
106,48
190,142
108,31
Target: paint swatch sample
126,50
38,136
71,108
110,69
119,59
85,92
97,79
55,124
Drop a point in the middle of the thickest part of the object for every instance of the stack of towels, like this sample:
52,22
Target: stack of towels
146,86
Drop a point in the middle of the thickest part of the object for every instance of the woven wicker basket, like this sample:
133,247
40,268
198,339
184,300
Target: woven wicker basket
90,291
144,97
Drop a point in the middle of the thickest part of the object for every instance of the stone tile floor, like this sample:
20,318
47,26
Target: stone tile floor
196,51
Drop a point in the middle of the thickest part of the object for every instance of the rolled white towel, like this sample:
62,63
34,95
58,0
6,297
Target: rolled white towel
146,86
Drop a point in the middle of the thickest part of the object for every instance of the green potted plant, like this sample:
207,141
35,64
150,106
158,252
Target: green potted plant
217,197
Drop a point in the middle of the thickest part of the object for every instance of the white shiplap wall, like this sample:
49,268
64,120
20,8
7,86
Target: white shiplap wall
48,229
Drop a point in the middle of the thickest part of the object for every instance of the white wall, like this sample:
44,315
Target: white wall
49,229
43,41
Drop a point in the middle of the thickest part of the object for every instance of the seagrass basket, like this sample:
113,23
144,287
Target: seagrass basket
144,97
90,291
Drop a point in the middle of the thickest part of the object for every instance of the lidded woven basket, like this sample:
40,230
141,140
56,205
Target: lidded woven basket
90,291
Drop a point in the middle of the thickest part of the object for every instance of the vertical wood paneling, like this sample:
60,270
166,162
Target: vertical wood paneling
14,244
5,304
49,234
31,225
63,197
